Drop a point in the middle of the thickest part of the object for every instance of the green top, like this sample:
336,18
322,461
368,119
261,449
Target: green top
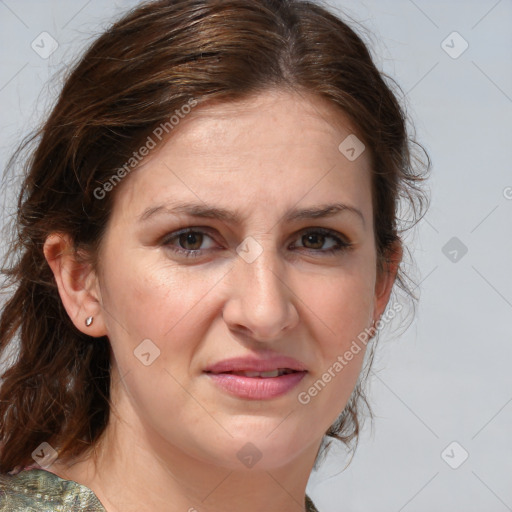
38,490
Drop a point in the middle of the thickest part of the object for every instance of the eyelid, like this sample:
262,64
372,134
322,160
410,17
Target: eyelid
327,232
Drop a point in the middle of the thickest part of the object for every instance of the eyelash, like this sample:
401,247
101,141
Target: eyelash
194,253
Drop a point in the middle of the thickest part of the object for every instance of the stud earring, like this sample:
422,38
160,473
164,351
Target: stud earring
88,321
375,322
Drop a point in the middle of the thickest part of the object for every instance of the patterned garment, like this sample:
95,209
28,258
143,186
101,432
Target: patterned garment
38,490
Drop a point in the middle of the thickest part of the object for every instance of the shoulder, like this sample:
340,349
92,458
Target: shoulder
38,490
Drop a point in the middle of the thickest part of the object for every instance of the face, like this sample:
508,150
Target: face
183,290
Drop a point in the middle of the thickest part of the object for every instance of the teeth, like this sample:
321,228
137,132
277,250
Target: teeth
273,373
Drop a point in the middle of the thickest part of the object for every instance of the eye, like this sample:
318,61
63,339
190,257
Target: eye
315,239
188,241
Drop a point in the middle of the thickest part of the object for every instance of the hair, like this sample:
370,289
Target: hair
143,68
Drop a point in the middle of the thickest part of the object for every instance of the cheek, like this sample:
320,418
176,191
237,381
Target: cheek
340,305
156,301
339,310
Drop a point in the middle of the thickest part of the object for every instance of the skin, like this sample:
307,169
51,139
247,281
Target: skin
172,440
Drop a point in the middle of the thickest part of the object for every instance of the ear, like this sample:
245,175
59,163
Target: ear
77,283
386,279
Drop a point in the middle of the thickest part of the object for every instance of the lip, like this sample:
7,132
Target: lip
256,364
256,388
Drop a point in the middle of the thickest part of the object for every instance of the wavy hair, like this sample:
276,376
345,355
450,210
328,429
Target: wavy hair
135,75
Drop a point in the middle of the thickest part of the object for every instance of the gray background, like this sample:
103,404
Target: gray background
447,378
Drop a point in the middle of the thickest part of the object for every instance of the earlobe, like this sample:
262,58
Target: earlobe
77,284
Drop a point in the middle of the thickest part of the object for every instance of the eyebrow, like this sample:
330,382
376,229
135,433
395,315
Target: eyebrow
230,217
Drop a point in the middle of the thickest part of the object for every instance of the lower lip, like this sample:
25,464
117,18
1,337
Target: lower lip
257,388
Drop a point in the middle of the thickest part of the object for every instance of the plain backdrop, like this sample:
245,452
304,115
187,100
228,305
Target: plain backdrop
441,391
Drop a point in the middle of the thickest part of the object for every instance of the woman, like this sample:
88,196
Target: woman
207,241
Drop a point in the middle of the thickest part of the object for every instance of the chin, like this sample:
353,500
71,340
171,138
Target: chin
263,451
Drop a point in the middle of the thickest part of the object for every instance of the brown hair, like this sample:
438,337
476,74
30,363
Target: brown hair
133,77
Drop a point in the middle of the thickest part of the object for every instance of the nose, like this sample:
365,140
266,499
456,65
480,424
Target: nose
260,303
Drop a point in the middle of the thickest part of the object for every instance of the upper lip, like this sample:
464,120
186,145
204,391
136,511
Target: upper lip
255,364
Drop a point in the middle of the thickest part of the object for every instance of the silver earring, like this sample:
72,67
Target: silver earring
88,321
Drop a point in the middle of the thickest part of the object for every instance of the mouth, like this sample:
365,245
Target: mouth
260,375
257,385
263,365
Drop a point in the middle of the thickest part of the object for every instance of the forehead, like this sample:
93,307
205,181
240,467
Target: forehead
274,118
278,145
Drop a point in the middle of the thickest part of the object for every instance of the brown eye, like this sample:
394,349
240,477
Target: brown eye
193,238
313,240
323,241
188,242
